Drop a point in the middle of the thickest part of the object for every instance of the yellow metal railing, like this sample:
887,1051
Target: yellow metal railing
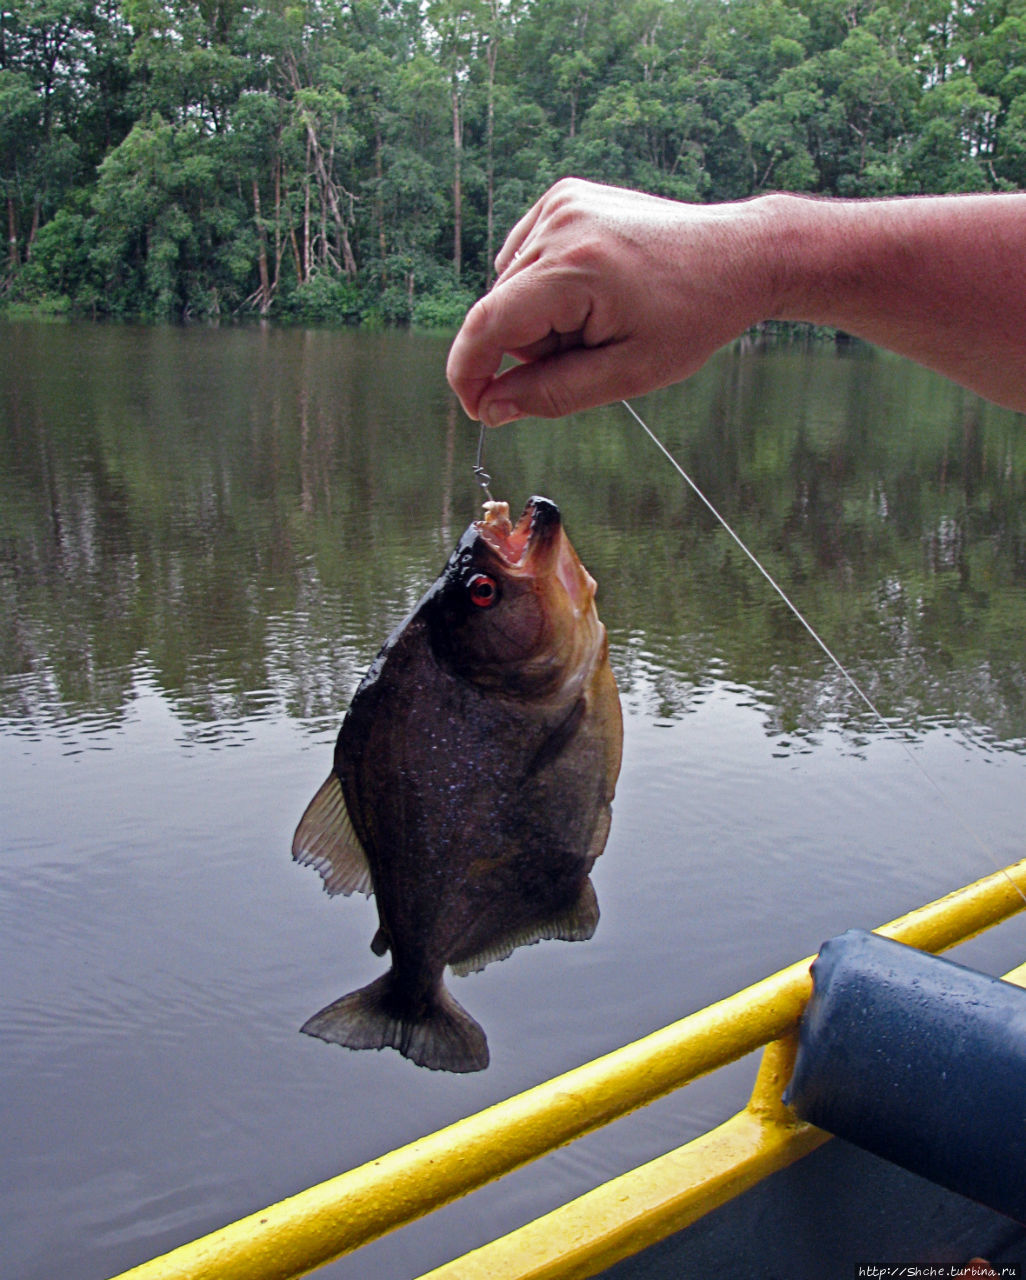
620,1217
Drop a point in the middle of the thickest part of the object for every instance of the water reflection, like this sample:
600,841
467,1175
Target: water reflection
204,537
246,514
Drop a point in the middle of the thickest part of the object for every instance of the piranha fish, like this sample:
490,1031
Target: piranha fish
472,783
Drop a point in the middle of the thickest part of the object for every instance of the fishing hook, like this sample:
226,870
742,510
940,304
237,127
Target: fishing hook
483,478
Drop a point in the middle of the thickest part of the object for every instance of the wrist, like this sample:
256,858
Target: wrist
839,262
791,248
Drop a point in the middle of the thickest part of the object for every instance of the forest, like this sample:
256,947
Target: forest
360,161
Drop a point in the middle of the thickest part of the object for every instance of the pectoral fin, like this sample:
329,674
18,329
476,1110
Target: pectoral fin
576,924
326,841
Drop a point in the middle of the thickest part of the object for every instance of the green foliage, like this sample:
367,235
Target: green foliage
325,298
354,161
442,310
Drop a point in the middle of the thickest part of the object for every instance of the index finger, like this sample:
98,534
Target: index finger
513,319
514,242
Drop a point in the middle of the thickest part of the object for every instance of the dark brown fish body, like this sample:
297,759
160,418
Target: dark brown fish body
476,764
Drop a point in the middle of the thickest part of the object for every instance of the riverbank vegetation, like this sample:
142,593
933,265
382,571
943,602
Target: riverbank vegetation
359,161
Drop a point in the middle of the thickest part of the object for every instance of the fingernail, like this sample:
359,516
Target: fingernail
498,412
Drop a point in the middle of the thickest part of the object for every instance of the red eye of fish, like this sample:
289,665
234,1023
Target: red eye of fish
484,591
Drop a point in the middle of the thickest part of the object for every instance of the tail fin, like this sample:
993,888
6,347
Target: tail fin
443,1037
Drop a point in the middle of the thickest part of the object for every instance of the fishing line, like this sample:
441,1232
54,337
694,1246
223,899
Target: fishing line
483,478
853,683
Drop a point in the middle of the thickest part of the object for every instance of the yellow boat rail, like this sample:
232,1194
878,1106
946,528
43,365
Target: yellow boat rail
622,1216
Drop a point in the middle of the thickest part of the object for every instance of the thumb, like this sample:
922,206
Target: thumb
566,382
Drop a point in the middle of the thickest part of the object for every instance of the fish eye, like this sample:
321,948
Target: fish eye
483,590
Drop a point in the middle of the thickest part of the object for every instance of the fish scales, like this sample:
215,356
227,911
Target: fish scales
472,783
488,857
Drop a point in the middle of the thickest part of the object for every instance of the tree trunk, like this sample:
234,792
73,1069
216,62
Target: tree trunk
32,231
296,254
324,228
457,183
306,217
12,235
329,194
492,55
325,183
379,199
278,245
265,278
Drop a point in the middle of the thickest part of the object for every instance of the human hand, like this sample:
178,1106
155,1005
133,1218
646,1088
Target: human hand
604,293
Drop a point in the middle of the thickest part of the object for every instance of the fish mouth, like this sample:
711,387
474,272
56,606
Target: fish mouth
537,546
520,545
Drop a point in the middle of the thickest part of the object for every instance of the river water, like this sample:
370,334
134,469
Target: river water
206,534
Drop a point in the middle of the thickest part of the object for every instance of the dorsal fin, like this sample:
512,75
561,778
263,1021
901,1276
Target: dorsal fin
325,840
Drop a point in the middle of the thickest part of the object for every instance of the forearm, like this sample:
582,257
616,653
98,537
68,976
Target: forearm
604,293
940,279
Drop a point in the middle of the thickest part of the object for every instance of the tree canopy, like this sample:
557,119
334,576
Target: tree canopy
360,160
